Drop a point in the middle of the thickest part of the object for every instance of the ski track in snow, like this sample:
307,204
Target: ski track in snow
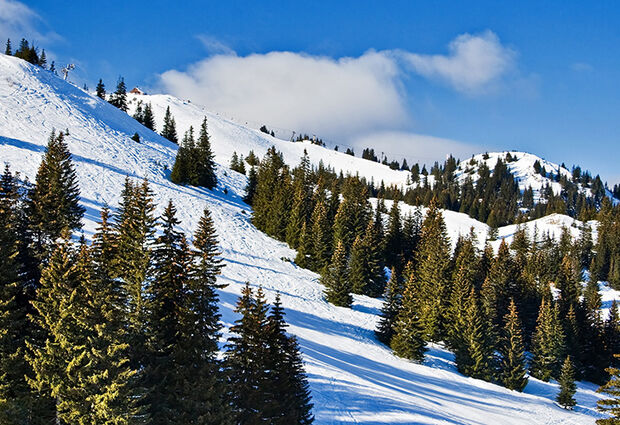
353,378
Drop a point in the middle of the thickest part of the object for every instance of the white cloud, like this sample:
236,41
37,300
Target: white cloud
334,98
214,46
18,21
474,63
414,147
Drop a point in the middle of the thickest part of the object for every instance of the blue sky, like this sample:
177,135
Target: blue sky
536,76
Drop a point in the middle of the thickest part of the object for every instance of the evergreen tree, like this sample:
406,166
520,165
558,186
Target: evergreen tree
57,363
391,306
433,262
336,280
246,358
288,395
166,322
478,361
54,199
169,131
301,207
100,90
8,49
148,119
512,352
500,286
183,168
119,97
547,343
43,60
457,312
204,159
250,189
321,234
394,238
567,385
610,406
408,340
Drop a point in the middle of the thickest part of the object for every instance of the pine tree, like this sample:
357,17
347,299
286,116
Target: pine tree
246,358
43,60
408,340
8,49
457,312
336,280
547,343
512,352
394,238
321,234
610,406
391,306
204,159
133,232
478,360
288,395
301,207
250,189
433,262
119,97
148,119
169,131
165,322
54,199
183,167
100,90
567,385
16,399
57,362
500,285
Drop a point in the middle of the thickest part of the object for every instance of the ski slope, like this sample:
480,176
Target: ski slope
353,378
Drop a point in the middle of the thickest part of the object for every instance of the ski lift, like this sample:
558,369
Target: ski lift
66,69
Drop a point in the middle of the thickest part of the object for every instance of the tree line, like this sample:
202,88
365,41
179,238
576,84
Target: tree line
490,309
125,330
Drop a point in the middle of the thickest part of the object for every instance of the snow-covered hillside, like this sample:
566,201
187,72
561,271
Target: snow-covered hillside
231,137
353,378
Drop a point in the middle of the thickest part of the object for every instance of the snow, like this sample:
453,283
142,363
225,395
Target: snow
353,378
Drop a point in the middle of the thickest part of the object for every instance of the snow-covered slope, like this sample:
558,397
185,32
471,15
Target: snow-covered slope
353,378
229,137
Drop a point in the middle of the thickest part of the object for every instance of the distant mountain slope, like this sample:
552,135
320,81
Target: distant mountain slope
353,378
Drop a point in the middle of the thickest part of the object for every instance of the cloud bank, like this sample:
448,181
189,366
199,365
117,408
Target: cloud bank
345,99
474,63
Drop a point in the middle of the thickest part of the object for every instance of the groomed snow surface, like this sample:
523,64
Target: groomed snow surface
353,378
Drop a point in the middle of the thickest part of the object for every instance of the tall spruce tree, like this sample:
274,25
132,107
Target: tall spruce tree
166,325
100,90
246,358
409,340
433,267
8,50
567,385
512,352
335,278
457,312
148,119
184,162
119,97
204,159
288,394
391,306
321,235
169,130
54,199
547,343
478,360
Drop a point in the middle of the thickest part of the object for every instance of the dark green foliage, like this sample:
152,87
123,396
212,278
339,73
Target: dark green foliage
100,90
391,306
148,119
335,278
353,214
433,268
610,406
512,352
264,367
394,238
136,137
54,199
183,168
204,159
547,343
237,163
567,385
8,50
408,340
169,131
119,97
477,359
500,285
250,189
301,206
